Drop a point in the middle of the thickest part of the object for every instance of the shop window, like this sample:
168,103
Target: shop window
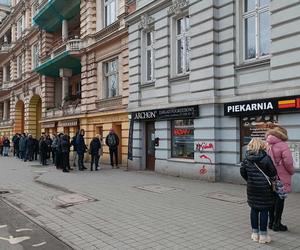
254,127
183,139
111,78
256,22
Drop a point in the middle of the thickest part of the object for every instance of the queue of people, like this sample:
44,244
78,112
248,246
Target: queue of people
267,169
58,147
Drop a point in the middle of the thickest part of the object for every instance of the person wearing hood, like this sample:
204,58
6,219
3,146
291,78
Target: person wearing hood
281,155
95,147
257,170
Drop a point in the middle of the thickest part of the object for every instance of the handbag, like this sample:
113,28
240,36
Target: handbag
277,186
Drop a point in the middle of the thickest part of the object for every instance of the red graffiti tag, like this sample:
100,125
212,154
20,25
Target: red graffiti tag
203,170
206,157
203,145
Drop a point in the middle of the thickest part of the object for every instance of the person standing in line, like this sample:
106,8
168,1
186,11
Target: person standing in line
36,150
95,147
257,170
15,141
6,146
81,149
22,146
65,150
73,143
53,148
112,141
281,155
29,148
43,150
1,144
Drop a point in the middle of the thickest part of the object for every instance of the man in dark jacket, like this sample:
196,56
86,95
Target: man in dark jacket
16,140
29,148
65,150
112,141
95,147
43,150
81,149
22,146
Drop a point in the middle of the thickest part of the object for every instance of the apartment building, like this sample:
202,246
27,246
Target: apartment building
66,68
207,76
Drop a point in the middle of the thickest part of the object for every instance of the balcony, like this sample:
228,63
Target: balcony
67,110
51,13
4,51
6,123
66,55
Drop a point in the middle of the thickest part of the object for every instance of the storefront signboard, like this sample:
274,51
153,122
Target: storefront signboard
170,113
264,106
68,123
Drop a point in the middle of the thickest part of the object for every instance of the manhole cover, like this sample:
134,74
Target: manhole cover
72,199
226,197
156,188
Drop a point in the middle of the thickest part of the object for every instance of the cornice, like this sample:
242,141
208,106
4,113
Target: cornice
149,8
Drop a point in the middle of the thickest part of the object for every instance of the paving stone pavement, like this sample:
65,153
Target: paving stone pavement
139,210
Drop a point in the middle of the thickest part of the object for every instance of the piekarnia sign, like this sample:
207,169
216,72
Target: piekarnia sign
171,113
267,106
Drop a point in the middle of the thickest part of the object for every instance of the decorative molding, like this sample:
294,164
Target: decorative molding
146,22
178,7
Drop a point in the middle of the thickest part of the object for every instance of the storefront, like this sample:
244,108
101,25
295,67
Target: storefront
257,116
49,128
165,141
69,127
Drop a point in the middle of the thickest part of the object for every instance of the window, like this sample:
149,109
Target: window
34,11
111,78
19,66
182,45
78,89
149,55
256,29
110,12
20,27
183,138
35,55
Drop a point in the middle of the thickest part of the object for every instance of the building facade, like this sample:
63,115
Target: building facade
66,68
207,76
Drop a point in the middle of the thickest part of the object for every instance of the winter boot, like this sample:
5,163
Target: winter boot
279,227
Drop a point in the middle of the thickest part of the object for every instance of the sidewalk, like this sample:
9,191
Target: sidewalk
138,210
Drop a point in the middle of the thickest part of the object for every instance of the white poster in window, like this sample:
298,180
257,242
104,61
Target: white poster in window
295,149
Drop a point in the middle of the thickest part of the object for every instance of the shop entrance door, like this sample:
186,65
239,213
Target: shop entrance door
150,146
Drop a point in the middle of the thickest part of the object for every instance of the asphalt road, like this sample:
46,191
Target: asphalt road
17,232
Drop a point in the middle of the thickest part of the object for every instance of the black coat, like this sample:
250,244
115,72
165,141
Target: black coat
95,146
65,145
259,192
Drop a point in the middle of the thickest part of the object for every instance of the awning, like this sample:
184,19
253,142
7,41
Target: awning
52,13
63,60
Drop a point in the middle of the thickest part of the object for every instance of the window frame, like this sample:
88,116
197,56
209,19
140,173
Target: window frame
183,36
107,74
35,55
256,14
106,3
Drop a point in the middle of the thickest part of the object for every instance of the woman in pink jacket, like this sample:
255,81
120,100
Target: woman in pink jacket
282,158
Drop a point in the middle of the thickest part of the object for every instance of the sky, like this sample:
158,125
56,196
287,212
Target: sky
4,1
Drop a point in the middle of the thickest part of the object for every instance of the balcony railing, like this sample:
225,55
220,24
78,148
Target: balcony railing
72,45
5,47
65,111
5,86
6,123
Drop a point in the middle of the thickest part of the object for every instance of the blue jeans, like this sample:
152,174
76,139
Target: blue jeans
259,220
5,151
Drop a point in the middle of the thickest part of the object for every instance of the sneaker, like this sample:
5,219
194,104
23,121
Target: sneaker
255,237
264,239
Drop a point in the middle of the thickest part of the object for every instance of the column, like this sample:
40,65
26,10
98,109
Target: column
65,74
64,30
4,74
5,110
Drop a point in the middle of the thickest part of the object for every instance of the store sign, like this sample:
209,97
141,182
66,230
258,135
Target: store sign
171,113
68,123
49,125
267,106
182,132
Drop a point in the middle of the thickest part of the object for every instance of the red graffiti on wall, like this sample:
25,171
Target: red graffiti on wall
204,145
206,157
203,170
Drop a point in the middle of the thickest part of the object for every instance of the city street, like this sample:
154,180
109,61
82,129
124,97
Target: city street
115,209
